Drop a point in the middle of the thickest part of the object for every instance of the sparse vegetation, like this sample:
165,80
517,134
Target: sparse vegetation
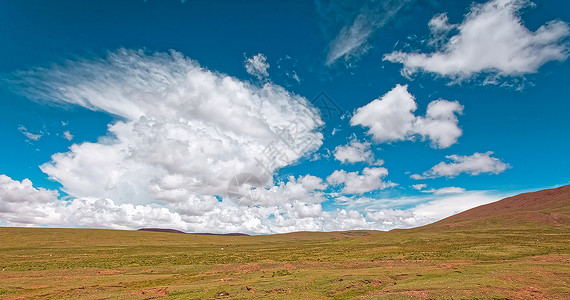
478,258
464,263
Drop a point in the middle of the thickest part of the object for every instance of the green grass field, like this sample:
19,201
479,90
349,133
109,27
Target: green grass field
525,261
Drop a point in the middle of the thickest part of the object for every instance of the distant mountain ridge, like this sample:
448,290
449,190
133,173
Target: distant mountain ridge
195,233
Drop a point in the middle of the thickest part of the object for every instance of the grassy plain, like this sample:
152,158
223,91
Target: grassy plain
524,260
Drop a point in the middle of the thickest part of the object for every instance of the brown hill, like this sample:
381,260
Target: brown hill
550,207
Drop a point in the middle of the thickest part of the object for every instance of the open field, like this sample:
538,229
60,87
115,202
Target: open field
518,263
468,256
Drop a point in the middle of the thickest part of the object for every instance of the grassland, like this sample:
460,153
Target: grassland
524,261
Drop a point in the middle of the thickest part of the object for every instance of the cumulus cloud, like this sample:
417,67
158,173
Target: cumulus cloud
295,190
21,205
352,40
257,66
183,131
491,39
354,152
391,118
475,164
419,186
358,183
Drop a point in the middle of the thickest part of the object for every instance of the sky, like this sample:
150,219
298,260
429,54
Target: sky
267,117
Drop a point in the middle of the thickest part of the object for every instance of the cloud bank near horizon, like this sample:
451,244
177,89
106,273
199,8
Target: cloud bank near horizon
21,204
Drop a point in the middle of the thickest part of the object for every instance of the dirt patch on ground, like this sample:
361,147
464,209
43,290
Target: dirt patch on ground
162,292
276,291
356,285
109,272
34,287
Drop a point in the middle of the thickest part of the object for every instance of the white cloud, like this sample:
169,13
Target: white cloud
392,118
257,66
441,191
355,151
311,182
23,205
475,164
183,132
355,183
439,28
422,210
419,186
491,39
67,135
304,189
446,190
443,207
29,135
440,123
352,40
393,218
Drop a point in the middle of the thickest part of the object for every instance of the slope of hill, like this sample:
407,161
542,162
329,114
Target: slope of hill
546,207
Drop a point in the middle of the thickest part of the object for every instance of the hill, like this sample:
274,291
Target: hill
546,207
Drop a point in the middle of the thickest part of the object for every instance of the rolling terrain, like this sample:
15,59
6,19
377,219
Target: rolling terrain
516,248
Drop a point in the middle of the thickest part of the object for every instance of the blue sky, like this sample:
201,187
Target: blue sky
129,114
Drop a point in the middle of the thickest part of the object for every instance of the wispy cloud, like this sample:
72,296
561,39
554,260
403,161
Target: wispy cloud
441,191
352,40
446,190
29,135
